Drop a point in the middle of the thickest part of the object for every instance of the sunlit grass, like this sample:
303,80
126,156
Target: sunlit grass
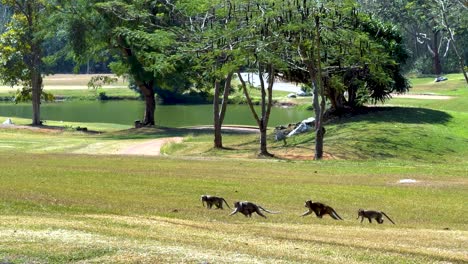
455,85
60,207
103,209
118,239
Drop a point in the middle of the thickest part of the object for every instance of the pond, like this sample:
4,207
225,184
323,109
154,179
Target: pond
126,112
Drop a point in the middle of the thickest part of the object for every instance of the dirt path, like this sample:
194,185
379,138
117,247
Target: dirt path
149,148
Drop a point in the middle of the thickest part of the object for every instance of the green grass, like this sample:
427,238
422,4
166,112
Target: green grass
81,94
60,207
75,87
455,85
102,209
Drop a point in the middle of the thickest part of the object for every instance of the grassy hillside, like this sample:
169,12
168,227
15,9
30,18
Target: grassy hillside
420,130
60,207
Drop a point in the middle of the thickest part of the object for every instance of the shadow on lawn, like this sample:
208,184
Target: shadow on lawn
408,115
392,136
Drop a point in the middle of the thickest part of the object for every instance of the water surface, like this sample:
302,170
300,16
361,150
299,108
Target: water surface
126,112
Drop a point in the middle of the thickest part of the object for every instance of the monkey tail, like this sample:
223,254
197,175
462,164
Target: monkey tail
268,210
388,218
226,203
335,215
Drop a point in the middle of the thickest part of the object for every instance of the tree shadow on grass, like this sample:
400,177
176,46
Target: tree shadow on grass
408,115
393,136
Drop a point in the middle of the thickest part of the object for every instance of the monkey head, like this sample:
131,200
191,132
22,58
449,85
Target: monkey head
359,213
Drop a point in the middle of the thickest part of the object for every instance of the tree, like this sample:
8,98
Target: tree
214,40
141,35
302,29
338,50
261,49
230,36
450,13
21,50
424,31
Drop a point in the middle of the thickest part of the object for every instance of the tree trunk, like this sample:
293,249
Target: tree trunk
262,121
265,105
314,69
462,67
150,104
247,97
263,140
318,114
437,67
218,140
36,91
337,99
461,60
318,89
150,101
219,114
34,61
352,89
147,90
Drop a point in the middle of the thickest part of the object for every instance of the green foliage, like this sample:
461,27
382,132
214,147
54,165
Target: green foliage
13,49
21,52
421,23
25,95
96,82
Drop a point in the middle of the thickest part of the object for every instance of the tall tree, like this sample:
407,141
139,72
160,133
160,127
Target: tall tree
21,50
234,35
336,49
453,16
213,37
303,29
142,37
425,32
262,49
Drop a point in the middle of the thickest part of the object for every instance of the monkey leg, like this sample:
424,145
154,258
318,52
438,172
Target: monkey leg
260,213
234,212
337,215
307,213
333,214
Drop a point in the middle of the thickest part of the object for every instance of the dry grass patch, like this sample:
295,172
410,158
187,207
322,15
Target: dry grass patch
134,239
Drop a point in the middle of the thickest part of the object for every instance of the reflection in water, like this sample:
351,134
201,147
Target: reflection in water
126,112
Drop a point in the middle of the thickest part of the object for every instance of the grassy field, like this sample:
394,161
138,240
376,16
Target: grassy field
75,87
58,206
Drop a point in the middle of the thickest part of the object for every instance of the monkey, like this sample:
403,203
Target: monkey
248,208
369,214
213,200
320,210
